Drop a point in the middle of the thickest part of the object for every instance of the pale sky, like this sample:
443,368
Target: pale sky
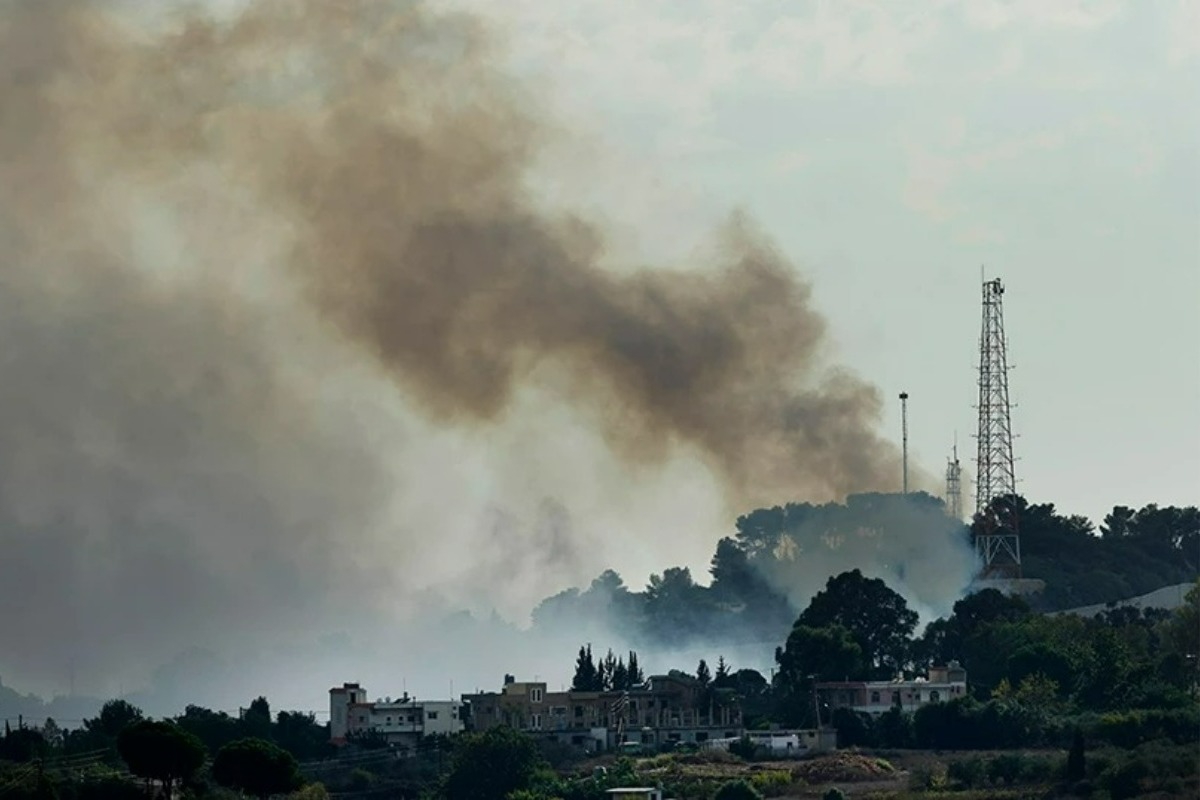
892,149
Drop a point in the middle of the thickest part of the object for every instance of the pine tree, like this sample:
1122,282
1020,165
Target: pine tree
620,676
721,676
580,682
594,681
586,676
608,671
636,678
703,675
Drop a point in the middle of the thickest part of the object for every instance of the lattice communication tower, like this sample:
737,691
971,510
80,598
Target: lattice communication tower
954,487
996,526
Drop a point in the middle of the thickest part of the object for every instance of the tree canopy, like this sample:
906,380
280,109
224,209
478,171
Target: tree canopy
160,751
491,765
256,767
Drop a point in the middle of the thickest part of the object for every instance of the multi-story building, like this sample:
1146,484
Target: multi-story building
401,722
666,709
876,697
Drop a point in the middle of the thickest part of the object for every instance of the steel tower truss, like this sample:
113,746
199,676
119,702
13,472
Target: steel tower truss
996,526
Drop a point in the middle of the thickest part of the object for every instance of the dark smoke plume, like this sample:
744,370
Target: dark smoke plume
217,232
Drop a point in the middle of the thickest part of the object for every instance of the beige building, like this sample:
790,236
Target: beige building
402,722
876,697
667,709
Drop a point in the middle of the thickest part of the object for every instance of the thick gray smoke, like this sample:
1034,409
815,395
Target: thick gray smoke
286,336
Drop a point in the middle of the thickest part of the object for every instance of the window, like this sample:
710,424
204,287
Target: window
432,715
934,696
536,722
535,695
578,711
874,697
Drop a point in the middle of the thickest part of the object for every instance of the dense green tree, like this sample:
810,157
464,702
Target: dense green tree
160,751
114,716
214,728
23,744
636,678
620,675
256,720
737,790
587,676
878,619
256,767
812,655
491,765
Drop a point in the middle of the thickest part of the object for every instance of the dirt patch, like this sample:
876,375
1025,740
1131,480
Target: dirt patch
843,767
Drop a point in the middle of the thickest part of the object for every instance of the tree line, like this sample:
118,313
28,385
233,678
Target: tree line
1132,552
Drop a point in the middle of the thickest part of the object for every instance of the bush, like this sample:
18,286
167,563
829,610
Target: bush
834,794
1006,768
744,748
1125,781
737,790
923,779
968,773
771,782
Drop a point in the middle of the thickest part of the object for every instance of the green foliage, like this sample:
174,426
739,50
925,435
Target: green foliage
1131,728
114,716
743,748
737,790
834,793
491,764
967,773
771,782
1076,759
1006,768
256,767
160,751
877,619
22,745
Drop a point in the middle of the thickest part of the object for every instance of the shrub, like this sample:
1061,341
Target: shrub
1125,781
968,773
1007,768
771,782
923,779
834,794
737,790
744,747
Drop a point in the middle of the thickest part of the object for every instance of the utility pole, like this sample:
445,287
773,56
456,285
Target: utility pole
954,485
904,437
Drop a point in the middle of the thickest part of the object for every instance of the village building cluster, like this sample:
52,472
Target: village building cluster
663,712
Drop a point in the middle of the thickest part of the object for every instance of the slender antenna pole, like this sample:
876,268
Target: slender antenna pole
904,436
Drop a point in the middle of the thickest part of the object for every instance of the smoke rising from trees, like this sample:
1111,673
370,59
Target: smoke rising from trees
262,271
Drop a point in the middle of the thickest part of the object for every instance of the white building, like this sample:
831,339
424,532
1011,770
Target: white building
876,697
403,721
784,742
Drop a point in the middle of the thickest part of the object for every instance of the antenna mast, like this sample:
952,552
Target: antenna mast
904,436
996,537
954,485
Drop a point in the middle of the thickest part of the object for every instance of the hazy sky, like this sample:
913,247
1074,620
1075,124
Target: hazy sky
198,454
892,149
